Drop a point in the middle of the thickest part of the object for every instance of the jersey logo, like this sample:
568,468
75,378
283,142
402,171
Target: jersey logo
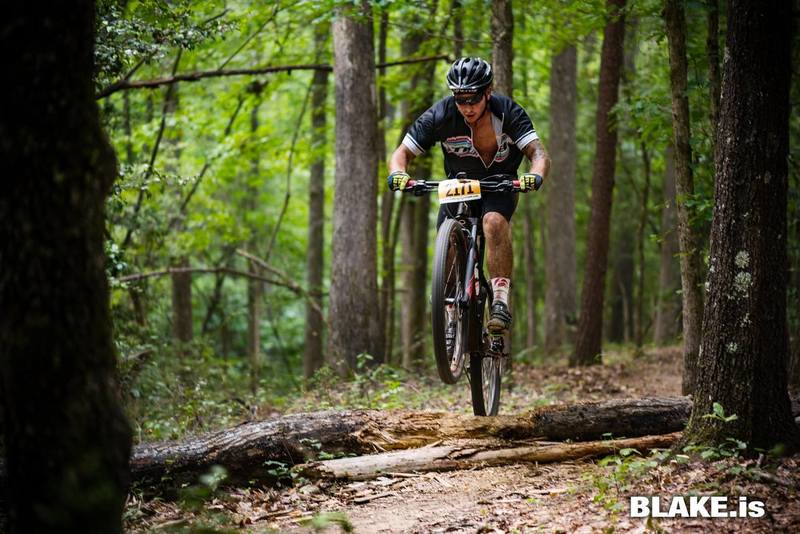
461,146
504,149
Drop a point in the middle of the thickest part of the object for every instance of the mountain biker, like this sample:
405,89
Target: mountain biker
481,134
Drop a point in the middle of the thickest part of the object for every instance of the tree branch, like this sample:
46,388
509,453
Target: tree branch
124,85
288,193
153,154
291,286
286,279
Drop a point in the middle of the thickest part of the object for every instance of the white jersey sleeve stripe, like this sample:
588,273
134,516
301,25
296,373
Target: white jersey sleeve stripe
412,145
526,139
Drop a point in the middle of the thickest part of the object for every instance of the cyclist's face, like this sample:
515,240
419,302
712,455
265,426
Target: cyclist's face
472,105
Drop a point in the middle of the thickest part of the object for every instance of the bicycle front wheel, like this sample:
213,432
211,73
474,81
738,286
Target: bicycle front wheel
447,286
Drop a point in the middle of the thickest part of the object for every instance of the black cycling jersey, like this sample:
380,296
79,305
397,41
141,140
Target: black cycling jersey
443,123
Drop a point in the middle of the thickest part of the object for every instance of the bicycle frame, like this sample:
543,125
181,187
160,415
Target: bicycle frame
476,246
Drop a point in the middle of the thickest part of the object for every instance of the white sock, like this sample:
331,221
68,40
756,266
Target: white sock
500,288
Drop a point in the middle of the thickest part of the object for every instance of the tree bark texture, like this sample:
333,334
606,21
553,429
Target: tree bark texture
472,455
293,439
414,235
745,341
560,264
529,273
502,46
315,261
387,202
66,438
621,284
414,222
688,241
182,322
644,208
669,275
255,288
588,344
714,81
456,16
353,308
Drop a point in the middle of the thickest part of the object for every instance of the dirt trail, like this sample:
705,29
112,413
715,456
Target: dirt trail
571,497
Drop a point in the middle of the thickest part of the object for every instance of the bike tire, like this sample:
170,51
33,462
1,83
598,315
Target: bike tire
485,374
447,285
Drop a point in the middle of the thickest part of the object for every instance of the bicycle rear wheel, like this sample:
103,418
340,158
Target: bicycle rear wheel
485,372
447,286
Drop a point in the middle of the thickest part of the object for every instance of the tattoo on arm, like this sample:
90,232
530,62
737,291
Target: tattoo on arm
535,150
540,160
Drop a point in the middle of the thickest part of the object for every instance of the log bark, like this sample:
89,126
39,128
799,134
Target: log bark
452,457
294,439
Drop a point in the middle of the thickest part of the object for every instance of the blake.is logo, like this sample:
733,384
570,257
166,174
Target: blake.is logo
695,506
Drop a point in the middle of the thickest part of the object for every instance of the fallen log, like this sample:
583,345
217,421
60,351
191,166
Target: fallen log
448,458
246,450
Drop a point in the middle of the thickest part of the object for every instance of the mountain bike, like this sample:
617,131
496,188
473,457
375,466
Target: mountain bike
460,292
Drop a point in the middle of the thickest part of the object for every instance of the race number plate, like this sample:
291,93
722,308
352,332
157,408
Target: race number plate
459,191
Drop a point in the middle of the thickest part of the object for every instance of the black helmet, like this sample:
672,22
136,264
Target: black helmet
469,74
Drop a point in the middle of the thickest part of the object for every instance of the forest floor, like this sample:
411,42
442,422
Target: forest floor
568,497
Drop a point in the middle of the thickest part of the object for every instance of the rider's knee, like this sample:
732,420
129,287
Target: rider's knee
494,224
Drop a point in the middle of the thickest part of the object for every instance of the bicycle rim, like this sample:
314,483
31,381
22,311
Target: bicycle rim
485,373
486,370
447,283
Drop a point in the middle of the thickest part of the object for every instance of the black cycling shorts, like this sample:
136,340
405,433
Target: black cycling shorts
503,203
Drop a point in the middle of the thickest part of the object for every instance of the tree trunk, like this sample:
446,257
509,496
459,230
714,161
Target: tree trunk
794,213
588,343
502,46
354,317
414,227
387,203
255,288
742,363
182,324
712,49
66,439
560,264
529,270
502,31
668,308
313,354
456,15
415,316
182,321
621,285
640,245
688,241
292,439
667,320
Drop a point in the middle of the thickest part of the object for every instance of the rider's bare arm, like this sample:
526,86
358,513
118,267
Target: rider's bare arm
400,159
540,160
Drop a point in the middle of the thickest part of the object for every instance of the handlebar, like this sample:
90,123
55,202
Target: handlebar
495,183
